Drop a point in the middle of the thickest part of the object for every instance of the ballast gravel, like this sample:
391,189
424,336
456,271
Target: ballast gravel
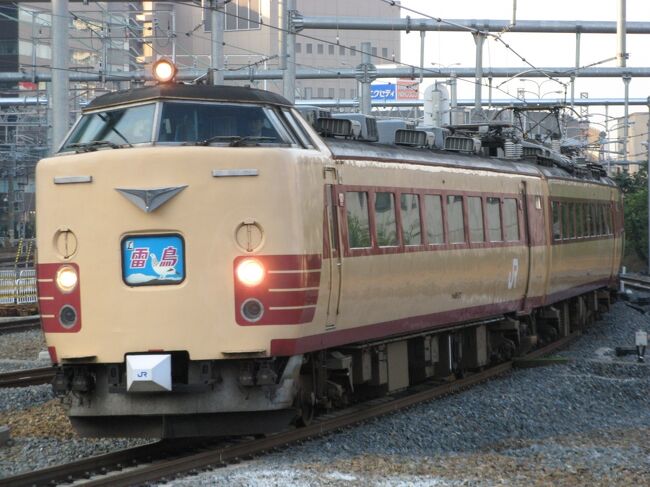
586,422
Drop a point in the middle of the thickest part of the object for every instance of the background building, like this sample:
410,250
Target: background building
637,149
252,43
114,37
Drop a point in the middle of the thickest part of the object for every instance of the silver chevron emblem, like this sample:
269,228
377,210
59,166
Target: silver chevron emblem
150,199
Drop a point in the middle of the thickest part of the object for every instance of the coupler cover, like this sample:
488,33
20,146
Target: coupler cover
148,373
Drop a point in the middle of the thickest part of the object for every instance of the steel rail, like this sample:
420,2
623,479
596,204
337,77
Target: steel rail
130,473
27,377
11,324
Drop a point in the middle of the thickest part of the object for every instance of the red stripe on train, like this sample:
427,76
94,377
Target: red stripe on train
290,284
51,300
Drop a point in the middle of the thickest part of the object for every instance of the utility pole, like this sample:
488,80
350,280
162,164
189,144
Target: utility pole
288,50
367,72
648,182
60,74
626,115
621,28
216,60
479,38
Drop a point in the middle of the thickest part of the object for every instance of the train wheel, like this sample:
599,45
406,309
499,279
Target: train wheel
304,407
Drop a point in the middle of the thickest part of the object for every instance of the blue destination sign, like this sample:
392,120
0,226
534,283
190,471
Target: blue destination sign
383,91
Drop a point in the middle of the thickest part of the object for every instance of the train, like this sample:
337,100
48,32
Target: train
212,263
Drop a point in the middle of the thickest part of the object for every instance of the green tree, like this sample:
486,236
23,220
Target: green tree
635,190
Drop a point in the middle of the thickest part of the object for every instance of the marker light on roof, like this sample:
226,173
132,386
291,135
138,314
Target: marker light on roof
164,70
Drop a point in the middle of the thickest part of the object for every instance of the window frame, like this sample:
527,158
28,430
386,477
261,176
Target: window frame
418,196
517,202
483,240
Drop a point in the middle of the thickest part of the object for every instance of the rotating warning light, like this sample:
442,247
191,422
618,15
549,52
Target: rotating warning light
66,279
250,272
164,71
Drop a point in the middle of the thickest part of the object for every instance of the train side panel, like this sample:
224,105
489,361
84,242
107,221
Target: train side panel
585,251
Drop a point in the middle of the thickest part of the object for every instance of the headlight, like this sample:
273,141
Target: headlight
66,279
250,272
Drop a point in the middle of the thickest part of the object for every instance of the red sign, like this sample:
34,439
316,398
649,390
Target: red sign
408,89
27,86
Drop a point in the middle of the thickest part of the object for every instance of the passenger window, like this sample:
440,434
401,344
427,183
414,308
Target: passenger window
356,204
385,219
566,230
594,220
494,219
557,229
607,219
572,220
510,219
588,220
433,216
410,212
579,221
475,210
455,222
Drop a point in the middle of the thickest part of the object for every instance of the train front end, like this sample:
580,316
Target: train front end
158,220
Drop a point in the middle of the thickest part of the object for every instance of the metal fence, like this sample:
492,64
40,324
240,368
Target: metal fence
17,287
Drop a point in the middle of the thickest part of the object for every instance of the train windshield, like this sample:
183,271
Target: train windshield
231,124
112,128
183,123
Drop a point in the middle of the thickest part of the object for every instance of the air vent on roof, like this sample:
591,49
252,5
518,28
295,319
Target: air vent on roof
533,151
459,144
414,138
367,123
512,150
339,127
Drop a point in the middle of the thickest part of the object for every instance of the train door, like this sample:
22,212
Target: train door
616,223
334,263
529,230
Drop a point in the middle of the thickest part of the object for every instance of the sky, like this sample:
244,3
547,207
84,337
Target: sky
542,50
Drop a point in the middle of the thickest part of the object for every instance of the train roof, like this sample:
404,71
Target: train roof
347,149
176,91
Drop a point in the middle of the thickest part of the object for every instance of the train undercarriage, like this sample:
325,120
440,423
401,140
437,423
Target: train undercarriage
257,396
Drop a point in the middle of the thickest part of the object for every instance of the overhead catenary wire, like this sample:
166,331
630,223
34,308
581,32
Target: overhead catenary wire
473,30
328,42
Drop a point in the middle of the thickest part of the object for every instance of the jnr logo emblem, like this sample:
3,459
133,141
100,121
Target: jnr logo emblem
150,199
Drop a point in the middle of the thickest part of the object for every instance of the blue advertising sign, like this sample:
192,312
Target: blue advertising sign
383,91
151,260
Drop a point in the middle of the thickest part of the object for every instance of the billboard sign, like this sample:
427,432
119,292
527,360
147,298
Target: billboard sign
408,89
383,91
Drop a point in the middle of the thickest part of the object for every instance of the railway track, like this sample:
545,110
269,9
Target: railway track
27,377
13,324
161,460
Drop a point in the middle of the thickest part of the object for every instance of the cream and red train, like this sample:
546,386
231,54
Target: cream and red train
209,265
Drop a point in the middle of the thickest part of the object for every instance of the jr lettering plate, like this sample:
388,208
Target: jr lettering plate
153,260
